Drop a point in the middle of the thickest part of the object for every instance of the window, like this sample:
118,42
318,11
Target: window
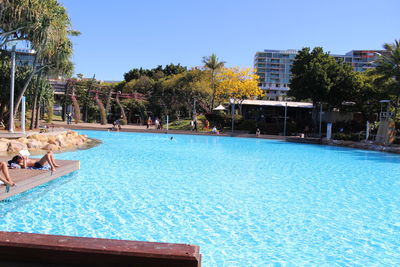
277,85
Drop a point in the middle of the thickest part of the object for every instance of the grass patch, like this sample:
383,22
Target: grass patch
184,125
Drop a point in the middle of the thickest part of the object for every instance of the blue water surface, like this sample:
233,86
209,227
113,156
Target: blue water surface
245,202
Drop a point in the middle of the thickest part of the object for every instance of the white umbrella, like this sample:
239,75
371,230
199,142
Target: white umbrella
220,107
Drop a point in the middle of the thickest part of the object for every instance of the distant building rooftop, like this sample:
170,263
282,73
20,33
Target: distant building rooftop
278,103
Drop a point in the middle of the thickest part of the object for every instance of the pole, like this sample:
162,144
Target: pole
23,115
167,122
367,131
233,115
320,120
11,119
284,124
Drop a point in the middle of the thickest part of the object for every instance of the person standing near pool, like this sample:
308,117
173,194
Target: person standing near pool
148,123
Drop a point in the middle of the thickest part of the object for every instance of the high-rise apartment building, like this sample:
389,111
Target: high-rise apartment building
274,68
25,57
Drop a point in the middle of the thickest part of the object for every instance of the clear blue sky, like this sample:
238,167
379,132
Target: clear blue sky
120,35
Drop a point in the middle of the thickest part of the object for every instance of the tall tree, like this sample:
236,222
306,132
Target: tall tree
213,64
318,77
45,27
389,67
239,84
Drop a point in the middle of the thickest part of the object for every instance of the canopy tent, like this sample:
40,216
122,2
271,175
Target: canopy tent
220,107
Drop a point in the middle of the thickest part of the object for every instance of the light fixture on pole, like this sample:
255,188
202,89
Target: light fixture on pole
284,124
12,78
23,103
232,102
320,120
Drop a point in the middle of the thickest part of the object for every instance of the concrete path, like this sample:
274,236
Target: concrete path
143,128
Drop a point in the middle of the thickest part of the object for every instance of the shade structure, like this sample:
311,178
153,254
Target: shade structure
220,107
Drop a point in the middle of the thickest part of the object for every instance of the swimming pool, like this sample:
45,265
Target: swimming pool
245,202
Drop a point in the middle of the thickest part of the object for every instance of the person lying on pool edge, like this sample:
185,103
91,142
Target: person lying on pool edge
24,161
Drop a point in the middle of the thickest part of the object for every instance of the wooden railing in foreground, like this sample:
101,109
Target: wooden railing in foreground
19,249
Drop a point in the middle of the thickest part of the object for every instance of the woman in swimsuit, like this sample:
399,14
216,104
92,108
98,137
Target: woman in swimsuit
6,180
25,162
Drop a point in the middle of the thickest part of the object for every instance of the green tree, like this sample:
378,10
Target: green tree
45,27
389,69
213,64
318,77
20,75
135,109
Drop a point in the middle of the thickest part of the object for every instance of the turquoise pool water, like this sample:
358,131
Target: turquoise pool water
245,202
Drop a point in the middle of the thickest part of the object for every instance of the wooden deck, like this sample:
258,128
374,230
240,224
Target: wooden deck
27,179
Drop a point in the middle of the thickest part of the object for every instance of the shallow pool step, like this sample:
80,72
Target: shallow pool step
27,179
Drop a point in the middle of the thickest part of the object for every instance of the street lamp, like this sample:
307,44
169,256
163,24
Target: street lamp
232,102
12,78
284,120
320,120
384,57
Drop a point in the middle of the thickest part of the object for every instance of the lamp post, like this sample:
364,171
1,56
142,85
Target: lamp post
12,78
232,102
284,124
23,115
320,120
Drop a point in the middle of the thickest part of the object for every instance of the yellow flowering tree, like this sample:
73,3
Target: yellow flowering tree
239,84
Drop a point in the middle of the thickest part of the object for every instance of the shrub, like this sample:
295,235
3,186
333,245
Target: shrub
249,125
346,136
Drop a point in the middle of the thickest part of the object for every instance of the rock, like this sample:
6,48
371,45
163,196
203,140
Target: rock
23,140
3,145
34,144
73,134
60,142
15,146
39,137
51,139
51,147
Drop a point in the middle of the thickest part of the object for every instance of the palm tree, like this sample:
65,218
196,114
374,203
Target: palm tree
51,41
389,66
212,63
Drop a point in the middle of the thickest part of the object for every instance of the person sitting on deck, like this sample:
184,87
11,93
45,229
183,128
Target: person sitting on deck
6,180
215,130
24,161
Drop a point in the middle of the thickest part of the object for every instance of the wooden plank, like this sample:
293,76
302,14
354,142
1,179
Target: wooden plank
82,251
27,179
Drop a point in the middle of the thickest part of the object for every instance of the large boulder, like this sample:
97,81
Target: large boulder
34,144
51,139
72,133
39,137
51,147
15,146
3,146
23,140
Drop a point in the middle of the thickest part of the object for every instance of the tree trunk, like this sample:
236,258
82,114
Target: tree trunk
123,115
213,87
35,100
108,103
37,115
26,84
65,105
103,115
77,111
